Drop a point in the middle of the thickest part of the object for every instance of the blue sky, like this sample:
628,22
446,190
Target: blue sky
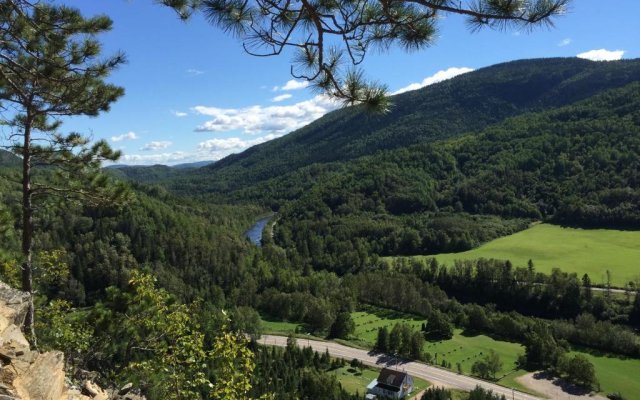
193,94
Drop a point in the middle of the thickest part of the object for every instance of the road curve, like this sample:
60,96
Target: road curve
437,376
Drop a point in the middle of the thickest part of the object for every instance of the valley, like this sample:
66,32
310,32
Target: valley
526,160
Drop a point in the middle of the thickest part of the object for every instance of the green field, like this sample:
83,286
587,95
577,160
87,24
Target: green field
614,374
356,380
617,374
369,319
591,251
461,348
279,327
466,350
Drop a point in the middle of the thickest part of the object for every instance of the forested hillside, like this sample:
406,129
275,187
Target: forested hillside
577,165
7,159
559,144
465,104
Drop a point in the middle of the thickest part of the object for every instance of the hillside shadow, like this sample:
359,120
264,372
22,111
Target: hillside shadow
386,313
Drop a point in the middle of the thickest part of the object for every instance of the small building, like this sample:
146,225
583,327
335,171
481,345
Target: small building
391,384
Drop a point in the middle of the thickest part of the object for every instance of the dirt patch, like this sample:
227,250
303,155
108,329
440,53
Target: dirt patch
554,388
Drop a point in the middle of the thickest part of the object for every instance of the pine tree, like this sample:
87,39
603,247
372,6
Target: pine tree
330,39
49,69
382,343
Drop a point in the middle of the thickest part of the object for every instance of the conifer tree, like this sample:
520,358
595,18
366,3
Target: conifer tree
330,39
50,69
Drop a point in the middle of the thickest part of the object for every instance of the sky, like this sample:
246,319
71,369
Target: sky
193,94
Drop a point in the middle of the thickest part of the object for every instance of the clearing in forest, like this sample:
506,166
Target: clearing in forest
591,251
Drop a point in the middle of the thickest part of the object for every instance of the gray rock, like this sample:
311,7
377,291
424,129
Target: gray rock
16,300
125,389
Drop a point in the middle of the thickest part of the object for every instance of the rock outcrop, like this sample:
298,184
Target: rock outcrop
31,375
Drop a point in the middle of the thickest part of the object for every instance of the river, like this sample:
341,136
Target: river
255,233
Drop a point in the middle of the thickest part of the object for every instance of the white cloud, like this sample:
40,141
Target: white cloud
269,119
282,97
234,143
156,145
291,85
124,136
179,113
209,150
564,42
194,72
439,76
602,55
216,149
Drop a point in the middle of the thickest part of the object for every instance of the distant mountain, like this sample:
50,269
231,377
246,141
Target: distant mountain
154,173
8,159
197,164
464,104
451,166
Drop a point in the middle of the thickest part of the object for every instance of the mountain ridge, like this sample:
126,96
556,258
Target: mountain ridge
530,85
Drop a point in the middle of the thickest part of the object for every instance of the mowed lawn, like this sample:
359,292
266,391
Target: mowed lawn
617,374
466,350
463,349
279,327
614,373
370,319
591,251
356,380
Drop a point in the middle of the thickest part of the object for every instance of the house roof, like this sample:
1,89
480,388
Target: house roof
391,378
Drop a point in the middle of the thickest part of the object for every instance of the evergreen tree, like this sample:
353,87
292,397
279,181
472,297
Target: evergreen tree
436,393
439,326
634,315
267,28
343,326
382,342
586,284
49,69
417,342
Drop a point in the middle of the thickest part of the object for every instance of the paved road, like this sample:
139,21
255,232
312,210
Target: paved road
437,376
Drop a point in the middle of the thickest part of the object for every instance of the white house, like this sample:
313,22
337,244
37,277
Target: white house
390,384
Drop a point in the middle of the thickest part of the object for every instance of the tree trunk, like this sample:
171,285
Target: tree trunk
27,232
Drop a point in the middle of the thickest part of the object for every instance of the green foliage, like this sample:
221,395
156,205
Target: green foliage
356,27
342,326
52,268
10,272
479,393
577,369
541,348
286,168
437,393
590,251
382,341
439,326
295,373
163,348
175,367
488,366
60,328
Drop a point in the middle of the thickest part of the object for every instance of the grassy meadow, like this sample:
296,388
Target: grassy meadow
370,319
279,327
591,251
614,373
